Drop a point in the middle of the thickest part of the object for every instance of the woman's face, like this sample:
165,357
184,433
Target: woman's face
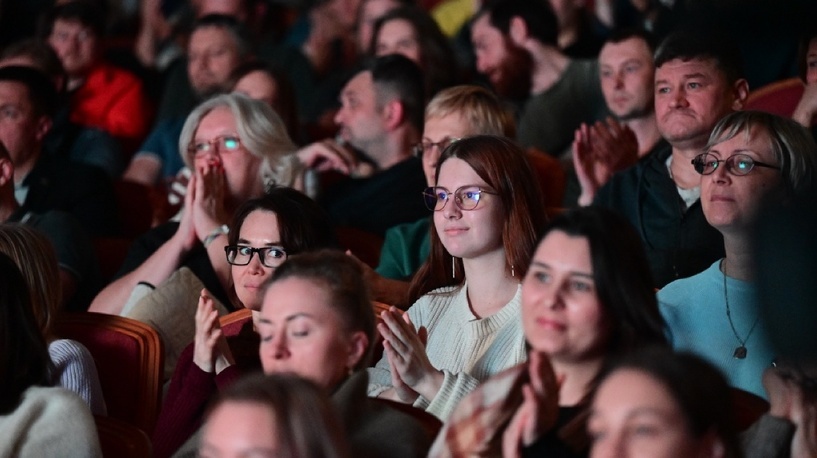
240,167
302,334
468,234
811,62
730,202
562,315
258,85
634,416
398,37
240,429
259,230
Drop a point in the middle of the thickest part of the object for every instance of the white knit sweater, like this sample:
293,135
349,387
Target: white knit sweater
49,422
467,349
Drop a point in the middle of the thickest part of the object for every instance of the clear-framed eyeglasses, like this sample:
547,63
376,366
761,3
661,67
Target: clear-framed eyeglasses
222,144
241,255
736,164
466,197
424,146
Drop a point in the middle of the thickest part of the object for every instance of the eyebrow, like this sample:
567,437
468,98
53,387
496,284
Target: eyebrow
573,273
244,241
263,320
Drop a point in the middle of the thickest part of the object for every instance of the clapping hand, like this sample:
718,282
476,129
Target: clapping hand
412,372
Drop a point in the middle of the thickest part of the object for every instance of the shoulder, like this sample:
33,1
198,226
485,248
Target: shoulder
688,293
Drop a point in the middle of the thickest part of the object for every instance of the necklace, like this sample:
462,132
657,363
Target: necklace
741,351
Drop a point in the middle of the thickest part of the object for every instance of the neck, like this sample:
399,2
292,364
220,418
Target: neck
646,132
576,379
548,66
738,261
490,285
394,148
683,174
22,169
8,205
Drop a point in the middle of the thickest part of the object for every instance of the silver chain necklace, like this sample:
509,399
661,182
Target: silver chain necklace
741,351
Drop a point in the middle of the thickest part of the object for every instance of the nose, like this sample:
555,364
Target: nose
255,266
278,346
618,81
340,115
720,175
610,446
482,64
451,210
679,99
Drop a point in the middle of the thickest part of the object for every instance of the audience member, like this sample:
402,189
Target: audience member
35,418
218,44
79,275
41,182
806,111
261,81
765,159
697,82
587,299
66,139
581,35
382,117
102,95
280,224
274,415
516,47
368,14
74,367
410,31
627,82
465,325
237,148
681,399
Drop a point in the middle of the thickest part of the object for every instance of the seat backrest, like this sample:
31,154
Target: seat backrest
364,245
551,174
232,323
748,407
122,440
429,422
780,97
129,356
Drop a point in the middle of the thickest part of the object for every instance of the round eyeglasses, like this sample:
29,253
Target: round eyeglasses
424,146
736,164
222,143
465,197
241,255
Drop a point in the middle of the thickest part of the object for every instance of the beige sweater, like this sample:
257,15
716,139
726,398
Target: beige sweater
49,422
466,349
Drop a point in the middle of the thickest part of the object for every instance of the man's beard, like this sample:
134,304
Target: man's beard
515,73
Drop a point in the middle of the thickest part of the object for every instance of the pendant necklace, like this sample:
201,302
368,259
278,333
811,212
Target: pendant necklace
741,351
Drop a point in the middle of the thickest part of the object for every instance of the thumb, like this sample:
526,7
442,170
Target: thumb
423,334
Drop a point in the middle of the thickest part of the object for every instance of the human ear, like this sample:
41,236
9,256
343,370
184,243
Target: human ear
358,346
518,30
741,92
394,114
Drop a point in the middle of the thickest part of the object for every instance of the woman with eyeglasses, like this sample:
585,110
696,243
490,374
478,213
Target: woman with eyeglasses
752,159
264,233
237,148
465,323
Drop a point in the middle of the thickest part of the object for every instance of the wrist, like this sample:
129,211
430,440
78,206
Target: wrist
215,233
430,385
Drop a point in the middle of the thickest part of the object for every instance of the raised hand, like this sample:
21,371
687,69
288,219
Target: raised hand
539,410
208,334
327,155
599,151
209,200
186,233
806,110
404,346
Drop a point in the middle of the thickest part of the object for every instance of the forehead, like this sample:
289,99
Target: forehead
631,48
452,125
679,68
397,27
360,84
211,37
377,8
754,138
13,92
71,25
482,28
455,172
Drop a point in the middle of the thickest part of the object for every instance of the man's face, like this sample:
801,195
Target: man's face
360,118
75,45
211,56
627,78
507,66
20,127
690,97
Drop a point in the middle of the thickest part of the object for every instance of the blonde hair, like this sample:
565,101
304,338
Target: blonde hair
37,260
480,108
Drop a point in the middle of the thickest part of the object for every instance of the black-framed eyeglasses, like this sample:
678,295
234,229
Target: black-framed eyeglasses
424,146
736,164
241,255
465,197
222,143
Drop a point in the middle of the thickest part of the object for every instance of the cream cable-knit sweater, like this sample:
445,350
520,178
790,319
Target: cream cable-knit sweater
49,422
467,349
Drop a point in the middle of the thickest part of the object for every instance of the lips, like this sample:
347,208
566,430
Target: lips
455,230
551,324
720,198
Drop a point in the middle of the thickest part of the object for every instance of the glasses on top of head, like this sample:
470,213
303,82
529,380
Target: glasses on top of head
424,146
241,255
222,143
736,164
465,197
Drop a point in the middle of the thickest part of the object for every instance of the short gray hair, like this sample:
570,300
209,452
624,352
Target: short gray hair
259,127
792,145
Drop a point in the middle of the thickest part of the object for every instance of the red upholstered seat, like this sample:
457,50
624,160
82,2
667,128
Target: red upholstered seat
780,97
232,323
122,440
129,357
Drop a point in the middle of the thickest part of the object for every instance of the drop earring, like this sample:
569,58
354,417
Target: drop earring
513,274
453,267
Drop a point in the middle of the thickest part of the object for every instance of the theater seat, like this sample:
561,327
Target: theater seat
129,356
780,97
232,323
119,439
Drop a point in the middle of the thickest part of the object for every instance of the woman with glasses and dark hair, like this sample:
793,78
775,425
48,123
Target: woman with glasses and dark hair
464,325
264,233
752,158
36,419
